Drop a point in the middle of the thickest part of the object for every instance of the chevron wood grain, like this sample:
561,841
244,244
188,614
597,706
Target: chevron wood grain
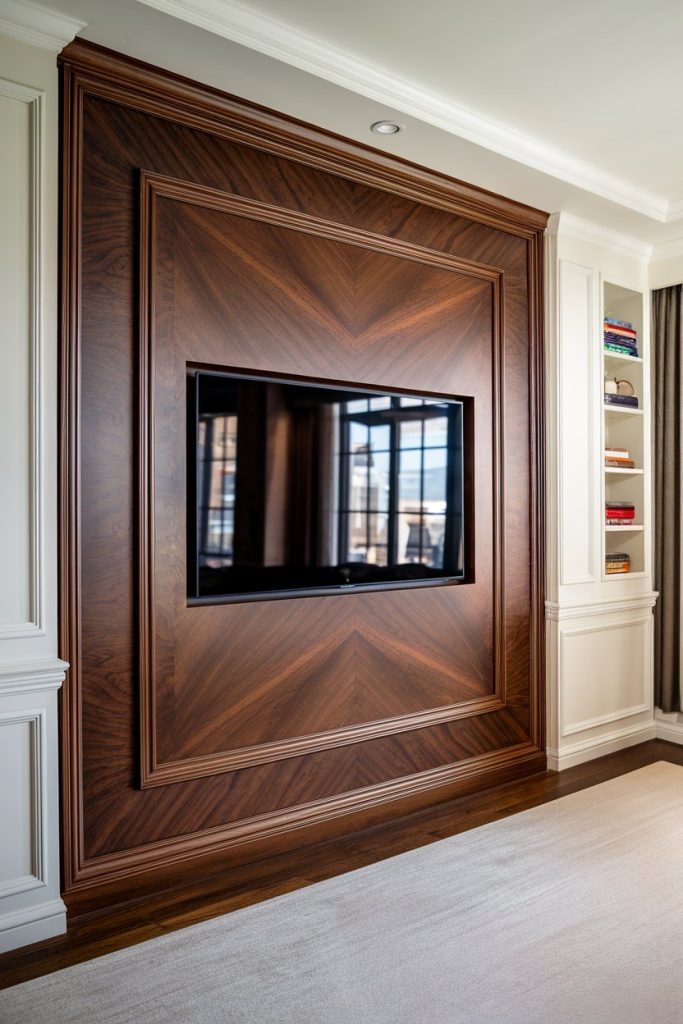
201,232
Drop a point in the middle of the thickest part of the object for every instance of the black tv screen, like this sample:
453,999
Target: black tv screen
299,488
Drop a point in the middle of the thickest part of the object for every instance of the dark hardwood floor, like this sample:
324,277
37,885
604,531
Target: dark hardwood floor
95,934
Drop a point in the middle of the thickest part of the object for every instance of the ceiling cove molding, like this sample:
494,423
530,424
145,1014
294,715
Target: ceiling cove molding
586,231
36,25
675,210
670,250
275,38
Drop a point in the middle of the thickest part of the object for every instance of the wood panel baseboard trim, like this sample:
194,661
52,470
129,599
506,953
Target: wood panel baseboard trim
354,807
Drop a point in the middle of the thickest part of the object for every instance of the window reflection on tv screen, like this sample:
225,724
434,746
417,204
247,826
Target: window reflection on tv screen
298,488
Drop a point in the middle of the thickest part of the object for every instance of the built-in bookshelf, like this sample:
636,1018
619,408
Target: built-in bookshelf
624,488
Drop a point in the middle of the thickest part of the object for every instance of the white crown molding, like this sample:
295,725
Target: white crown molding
26,676
556,612
258,31
667,250
37,25
586,231
675,210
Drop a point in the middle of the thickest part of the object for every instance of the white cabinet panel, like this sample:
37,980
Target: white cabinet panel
16,213
21,799
604,673
575,421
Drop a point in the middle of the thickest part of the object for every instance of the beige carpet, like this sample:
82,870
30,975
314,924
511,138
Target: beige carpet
571,913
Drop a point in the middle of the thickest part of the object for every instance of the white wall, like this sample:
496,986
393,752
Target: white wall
663,272
30,671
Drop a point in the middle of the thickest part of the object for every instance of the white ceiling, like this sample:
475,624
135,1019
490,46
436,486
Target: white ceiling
584,77
566,106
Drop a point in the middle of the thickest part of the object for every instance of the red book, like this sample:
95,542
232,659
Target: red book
626,332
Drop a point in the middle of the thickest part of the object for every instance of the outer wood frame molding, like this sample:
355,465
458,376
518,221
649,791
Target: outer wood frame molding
153,773
89,70
132,83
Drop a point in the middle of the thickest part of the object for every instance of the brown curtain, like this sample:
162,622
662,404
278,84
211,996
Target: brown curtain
667,323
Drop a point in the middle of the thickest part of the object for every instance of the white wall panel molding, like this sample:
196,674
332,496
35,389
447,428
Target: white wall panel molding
35,770
36,25
35,624
30,671
614,660
30,908
598,746
575,424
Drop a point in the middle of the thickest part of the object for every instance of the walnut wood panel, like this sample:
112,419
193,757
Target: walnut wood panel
234,698
121,118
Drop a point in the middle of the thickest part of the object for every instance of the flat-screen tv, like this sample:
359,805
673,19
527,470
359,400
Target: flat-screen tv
298,488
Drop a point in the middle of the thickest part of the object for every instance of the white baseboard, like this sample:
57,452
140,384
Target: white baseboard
32,925
669,727
598,746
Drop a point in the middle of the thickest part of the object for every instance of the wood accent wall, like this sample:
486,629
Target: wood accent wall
200,230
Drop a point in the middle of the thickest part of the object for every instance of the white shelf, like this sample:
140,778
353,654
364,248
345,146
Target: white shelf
624,529
632,575
616,358
623,472
622,410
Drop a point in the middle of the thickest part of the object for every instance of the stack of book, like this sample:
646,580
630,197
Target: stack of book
623,401
619,513
620,337
617,561
619,458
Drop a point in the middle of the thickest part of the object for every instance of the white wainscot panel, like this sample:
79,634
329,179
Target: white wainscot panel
22,782
575,398
21,536
604,673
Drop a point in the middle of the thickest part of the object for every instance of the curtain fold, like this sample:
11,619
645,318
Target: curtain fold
667,323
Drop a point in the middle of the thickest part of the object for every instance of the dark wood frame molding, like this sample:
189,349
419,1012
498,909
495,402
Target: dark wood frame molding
94,71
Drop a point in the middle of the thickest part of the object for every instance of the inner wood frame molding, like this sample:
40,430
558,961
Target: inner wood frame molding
153,772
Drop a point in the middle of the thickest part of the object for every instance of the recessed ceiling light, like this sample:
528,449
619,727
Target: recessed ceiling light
386,127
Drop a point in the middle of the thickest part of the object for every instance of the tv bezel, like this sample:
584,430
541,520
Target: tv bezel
195,371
